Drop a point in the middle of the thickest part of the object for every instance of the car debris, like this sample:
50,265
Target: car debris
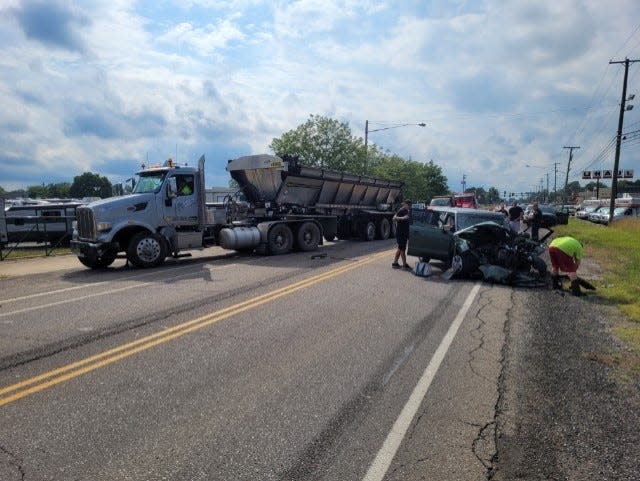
492,252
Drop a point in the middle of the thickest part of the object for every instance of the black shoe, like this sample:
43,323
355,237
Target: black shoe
408,267
575,288
395,265
556,283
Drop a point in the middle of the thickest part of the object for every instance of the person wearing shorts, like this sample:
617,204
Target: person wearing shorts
565,254
402,220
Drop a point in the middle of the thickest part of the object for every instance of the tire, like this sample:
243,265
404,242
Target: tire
280,239
146,249
424,259
100,262
367,231
308,237
383,229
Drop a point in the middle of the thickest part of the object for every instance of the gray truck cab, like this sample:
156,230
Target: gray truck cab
163,214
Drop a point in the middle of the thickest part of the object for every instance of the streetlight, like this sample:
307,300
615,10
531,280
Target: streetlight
366,135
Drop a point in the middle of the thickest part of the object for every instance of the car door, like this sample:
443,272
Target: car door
433,238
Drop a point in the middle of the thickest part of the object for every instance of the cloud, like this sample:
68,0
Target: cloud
52,23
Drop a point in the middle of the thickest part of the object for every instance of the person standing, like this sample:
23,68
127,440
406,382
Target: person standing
565,254
402,219
535,220
515,216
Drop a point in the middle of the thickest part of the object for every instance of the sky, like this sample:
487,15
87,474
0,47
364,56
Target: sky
105,85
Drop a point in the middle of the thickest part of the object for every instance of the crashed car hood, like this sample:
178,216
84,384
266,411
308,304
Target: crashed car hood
485,232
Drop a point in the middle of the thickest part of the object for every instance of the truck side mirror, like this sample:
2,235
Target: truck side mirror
172,188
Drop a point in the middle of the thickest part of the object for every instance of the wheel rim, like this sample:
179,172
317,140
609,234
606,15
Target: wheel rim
371,230
148,249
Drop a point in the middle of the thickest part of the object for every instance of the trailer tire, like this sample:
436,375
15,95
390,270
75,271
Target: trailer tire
308,237
330,236
383,229
368,231
146,249
280,239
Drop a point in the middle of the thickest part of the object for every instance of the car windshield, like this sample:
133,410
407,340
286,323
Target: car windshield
146,182
466,220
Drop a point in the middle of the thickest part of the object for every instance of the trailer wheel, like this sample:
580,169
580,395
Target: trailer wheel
383,229
146,249
368,231
308,237
280,239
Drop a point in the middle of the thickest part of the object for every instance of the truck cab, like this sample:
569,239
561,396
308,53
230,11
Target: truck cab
163,214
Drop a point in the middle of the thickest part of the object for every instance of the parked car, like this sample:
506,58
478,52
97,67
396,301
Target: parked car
583,212
550,216
432,236
618,214
442,201
596,214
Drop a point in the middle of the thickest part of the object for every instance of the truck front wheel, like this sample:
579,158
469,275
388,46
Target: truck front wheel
280,239
105,260
146,249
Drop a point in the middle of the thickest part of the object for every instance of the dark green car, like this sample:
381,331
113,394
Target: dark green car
431,234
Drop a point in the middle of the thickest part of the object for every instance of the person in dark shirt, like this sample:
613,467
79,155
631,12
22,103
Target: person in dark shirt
534,219
402,220
515,216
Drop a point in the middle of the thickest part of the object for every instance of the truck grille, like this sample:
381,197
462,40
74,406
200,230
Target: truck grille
86,223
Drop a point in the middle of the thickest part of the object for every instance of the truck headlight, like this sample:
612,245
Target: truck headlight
103,226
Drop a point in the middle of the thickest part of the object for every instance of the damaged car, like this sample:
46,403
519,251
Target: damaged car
478,245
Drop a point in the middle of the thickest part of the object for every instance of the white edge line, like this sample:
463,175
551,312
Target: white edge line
387,452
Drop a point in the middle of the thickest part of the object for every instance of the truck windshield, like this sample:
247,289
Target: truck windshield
146,182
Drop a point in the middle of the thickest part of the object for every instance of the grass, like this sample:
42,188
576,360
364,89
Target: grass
32,252
616,250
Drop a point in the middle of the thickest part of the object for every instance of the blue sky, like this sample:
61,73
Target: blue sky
104,85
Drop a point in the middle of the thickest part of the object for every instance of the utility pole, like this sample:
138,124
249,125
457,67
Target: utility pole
555,178
464,183
566,179
616,162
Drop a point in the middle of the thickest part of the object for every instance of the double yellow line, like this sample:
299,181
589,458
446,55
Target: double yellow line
51,378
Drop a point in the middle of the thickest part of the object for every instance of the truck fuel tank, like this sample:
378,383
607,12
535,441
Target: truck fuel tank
239,238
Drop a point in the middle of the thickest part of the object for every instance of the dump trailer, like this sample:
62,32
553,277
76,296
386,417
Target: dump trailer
289,207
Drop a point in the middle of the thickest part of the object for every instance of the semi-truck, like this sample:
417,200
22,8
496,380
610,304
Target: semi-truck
289,206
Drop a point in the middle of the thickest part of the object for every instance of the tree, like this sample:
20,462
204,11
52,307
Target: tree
59,190
422,181
90,185
37,191
327,143
322,142
2,191
493,196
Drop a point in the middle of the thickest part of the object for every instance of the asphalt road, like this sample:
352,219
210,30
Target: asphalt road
301,368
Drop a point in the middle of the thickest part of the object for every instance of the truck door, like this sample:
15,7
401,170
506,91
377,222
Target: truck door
182,210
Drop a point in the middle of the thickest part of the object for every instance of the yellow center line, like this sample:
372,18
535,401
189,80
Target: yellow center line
70,371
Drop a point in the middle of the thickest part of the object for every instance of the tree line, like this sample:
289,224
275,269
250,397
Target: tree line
85,185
